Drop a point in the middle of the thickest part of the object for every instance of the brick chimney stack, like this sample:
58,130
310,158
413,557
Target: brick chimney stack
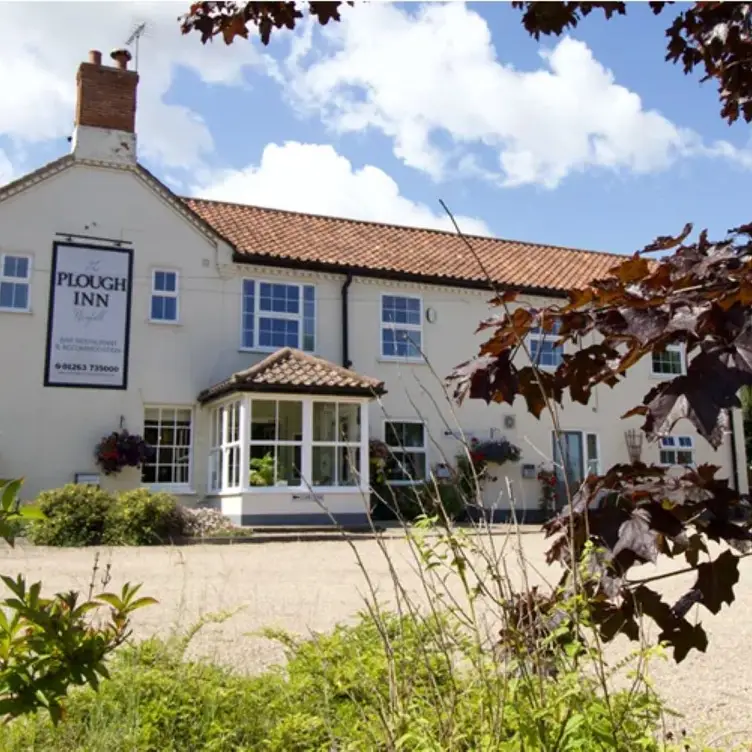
105,117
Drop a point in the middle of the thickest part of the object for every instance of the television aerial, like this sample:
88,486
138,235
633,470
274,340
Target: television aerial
135,37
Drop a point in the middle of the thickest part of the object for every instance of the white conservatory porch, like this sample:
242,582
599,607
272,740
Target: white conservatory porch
289,442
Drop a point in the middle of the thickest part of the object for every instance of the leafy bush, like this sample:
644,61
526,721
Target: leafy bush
78,515
143,518
48,645
74,515
360,687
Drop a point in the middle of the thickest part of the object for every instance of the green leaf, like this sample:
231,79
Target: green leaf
142,602
10,494
111,599
32,513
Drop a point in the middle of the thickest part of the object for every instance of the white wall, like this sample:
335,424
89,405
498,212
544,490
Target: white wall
48,434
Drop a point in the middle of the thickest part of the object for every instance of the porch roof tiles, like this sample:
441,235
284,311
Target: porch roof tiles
293,371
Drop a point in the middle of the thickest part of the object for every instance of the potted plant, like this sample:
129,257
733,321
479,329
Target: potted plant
547,480
121,449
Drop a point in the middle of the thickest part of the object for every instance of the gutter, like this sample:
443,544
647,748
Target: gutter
346,362
258,259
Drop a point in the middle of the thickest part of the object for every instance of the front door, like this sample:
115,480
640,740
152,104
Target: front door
581,458
571,466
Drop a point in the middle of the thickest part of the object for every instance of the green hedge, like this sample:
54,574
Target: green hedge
78,515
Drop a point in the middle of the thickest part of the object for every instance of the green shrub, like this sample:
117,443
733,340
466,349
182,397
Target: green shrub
75,515
347,691
143,518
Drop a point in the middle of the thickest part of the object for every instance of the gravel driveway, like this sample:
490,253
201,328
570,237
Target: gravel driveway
302,586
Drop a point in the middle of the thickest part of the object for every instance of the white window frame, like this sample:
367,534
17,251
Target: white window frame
165,294
407,327
18,281
276,442
678,348
538,335
244,443
675,448
338,443
177,488
411,450
258,313
588,460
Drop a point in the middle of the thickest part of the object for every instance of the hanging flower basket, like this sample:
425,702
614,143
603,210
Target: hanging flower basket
119,450
496,451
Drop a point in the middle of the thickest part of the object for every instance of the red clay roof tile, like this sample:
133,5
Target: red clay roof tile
290,370
273,234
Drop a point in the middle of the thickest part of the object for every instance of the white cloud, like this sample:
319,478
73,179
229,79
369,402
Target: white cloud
316,179
6,169
415,75
43,43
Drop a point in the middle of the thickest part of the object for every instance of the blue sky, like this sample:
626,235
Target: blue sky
589,141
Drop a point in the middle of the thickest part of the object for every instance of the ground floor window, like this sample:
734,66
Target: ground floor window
169,431
408,456
286,442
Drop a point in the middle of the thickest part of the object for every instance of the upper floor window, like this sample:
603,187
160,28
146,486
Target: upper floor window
164,296
677,450
544,350
669,362
278,314
15,278
401,326
408,451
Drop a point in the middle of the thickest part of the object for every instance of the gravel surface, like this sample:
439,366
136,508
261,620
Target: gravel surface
302,586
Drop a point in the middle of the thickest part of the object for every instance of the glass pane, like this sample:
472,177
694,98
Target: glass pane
592,453
151,414
248,312
168,281
148,473
164,474
400,310
263,420
668,362
6,294
16,266
157,307
348,466
21,296
170,309
349,422
288,465
413,434
406,466
278,332
167,435
290,421
685,441
323,470
666,457
324,421
394,434
572,461
684,458
261,466
309,319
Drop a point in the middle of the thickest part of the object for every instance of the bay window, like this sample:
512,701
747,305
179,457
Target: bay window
295,442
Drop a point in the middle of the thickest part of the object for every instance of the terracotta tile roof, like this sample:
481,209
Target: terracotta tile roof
289,370
269,235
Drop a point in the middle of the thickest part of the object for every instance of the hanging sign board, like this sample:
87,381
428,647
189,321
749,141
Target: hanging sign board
89,316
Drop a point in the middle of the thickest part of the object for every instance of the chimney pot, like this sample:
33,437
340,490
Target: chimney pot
121,58
95,57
